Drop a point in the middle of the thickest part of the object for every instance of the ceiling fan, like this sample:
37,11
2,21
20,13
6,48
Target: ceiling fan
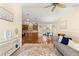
54,5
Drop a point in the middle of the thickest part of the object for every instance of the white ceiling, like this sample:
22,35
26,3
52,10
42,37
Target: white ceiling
41,5
35,5
37,12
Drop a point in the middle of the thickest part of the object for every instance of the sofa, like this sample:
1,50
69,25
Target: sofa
64,50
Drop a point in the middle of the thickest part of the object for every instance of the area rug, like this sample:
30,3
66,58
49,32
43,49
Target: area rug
37,50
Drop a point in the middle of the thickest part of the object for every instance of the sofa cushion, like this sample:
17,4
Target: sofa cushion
60,38
65,41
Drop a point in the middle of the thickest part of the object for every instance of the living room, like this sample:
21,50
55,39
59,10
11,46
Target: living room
33,29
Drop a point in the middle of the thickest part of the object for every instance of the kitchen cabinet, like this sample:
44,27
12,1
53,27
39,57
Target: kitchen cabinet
30,37
30,33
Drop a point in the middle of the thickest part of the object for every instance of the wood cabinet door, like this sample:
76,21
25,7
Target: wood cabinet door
24,27
30,37
34,37
35,26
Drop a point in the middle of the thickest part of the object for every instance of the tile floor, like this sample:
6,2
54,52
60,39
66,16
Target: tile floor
35,50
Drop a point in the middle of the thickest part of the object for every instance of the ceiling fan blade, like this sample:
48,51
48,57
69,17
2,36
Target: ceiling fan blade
61,5
48,6
53,8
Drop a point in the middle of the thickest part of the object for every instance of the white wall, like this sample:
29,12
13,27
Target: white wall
69,24
11,26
